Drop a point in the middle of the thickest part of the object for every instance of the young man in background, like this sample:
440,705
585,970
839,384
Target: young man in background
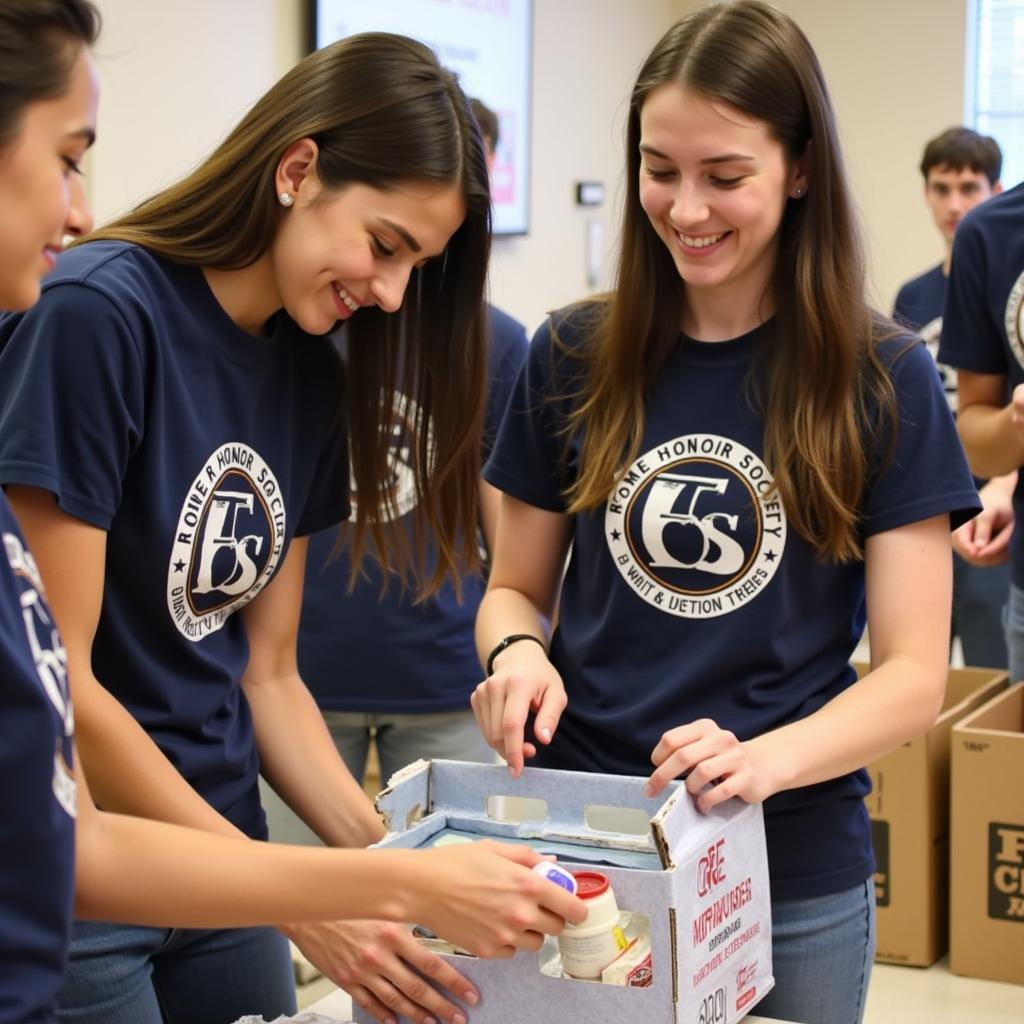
961,169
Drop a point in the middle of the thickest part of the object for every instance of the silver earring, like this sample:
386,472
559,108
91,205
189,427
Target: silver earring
797,194
286,199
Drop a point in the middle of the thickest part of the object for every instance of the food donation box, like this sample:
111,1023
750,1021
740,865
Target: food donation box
691,890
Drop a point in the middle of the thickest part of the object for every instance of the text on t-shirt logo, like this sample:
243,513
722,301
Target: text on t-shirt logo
400,483
1014,319
691,527
228,543
50,659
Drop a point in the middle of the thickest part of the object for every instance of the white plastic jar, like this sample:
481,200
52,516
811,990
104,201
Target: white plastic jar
588,948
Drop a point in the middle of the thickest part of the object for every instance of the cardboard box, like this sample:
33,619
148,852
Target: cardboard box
987,919
700,880
909,809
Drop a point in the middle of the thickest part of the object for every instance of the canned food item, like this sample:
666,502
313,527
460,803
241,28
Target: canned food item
589,947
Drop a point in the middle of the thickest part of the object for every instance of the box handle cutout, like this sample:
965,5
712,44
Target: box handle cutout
631,821
516,809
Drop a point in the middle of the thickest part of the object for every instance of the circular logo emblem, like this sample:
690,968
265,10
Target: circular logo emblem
50,660
229,540
931,334
400,484
690,528
1014,319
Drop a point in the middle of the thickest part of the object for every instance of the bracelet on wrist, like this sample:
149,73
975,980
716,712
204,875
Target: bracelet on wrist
508,641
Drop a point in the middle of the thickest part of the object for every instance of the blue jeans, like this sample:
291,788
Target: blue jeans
822,951
1015,632
400,739
980,594
123,974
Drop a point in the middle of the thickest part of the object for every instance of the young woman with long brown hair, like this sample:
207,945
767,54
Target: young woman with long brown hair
741,462
170,392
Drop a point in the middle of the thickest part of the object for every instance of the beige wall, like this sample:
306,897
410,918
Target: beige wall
586,56
176,76
896,71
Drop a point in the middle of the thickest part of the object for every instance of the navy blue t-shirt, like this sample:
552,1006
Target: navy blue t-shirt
688,596
373,653
130,394
983,319
37,791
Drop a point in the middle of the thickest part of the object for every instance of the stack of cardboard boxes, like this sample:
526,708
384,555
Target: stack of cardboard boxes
947,817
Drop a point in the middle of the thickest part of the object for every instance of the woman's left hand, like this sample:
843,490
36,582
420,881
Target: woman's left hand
706,753
386,970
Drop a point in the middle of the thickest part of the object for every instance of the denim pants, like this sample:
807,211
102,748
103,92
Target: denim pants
980,594
1015,632
822,952
400,739
123,974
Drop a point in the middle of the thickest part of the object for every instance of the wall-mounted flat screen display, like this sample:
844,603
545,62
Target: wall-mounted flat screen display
488,44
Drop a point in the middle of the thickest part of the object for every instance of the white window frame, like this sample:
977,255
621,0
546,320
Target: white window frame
981,119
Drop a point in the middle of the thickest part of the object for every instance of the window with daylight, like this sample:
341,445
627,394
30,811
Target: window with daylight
994,97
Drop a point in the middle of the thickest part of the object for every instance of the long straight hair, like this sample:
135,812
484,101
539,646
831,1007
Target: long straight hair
383,113
826,392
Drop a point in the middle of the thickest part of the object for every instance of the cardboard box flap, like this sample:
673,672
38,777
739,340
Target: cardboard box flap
963,686
1003,714
407,797
679,826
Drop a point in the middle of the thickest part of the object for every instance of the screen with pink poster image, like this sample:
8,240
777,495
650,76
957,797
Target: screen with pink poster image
488,44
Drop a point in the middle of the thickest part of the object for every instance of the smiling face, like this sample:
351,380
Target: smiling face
951,194
714,184
336,252
41,194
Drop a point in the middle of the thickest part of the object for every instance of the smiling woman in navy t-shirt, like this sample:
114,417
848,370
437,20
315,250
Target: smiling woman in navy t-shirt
171,428
742,463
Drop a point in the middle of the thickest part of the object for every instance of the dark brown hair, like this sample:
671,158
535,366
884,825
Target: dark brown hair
960,148
383,113
39,43
825,387
487,119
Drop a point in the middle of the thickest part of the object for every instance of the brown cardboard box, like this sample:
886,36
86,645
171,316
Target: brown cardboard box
909,809
987,919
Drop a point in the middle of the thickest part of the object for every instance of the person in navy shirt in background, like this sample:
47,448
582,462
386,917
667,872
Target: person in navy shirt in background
383,667
742,463
170,392
961,168
983,337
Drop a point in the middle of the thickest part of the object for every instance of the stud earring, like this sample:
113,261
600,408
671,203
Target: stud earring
286,199
798,193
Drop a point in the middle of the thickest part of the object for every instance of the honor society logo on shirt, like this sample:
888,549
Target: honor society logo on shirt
1014,319
50,660
400,485
690,528
228,543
